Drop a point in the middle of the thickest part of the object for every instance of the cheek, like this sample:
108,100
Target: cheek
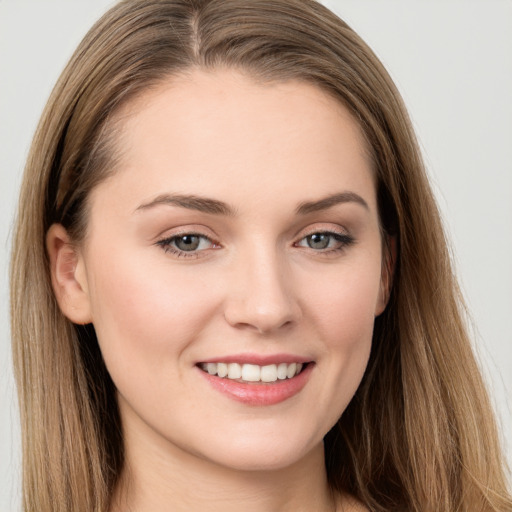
145,313
342,309
343,305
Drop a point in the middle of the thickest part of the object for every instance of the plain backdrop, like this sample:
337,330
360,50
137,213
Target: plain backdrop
452,61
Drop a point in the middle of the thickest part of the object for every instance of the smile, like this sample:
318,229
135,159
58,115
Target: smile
257,384
253,372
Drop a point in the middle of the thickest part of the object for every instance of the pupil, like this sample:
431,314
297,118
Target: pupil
187,242
318,241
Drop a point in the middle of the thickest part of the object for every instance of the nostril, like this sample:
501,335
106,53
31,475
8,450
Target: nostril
258,320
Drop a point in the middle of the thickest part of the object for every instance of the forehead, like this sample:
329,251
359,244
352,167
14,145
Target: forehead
204,131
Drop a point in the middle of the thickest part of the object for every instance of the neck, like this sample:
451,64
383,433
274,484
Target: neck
159,478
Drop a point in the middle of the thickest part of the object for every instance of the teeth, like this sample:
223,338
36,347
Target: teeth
234,371
282,371
269,373
222,369
253,372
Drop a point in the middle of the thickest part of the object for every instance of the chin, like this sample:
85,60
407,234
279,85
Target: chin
272,453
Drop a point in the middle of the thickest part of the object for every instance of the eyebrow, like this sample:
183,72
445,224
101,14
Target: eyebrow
216,207
330,201
191,202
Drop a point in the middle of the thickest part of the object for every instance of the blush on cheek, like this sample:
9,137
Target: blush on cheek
346,305
135,311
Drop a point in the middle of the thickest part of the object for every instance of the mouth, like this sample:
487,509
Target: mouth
253,373
257,385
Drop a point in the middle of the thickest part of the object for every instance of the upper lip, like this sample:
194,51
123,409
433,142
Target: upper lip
259,359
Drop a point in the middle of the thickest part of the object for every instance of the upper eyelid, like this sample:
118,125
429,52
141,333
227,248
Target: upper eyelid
300,234
346,236
173,236
186,233
318,229
211,239
197,230
326,230
208,233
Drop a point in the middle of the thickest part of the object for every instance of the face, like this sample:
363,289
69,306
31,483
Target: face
232,268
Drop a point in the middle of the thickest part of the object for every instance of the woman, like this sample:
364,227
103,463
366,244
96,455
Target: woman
230,284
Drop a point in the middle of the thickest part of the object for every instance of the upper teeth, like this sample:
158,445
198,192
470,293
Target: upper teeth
253,372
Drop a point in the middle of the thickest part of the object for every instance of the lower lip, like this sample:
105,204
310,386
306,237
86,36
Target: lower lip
259,393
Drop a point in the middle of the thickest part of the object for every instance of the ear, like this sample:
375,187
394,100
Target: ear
68,275
388,271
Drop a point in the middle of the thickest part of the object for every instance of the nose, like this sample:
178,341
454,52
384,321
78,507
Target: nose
260,294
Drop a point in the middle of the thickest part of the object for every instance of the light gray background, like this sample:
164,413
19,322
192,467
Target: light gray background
452,61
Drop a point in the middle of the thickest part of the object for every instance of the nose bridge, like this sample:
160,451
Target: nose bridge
261,292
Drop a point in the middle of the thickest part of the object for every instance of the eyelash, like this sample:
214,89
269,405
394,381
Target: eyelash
166,245
344,241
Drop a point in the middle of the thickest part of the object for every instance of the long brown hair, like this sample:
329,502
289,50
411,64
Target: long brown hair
419,434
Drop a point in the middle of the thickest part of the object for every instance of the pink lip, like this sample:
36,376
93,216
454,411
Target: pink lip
259,393
260,360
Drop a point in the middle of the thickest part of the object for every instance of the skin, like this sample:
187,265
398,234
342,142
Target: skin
254,285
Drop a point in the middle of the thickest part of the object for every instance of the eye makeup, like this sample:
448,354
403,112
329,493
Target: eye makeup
192,244
326,242
187,245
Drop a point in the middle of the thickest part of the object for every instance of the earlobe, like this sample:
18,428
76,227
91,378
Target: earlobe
388,271
68,276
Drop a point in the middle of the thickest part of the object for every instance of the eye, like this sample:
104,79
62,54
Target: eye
186,244
326,241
